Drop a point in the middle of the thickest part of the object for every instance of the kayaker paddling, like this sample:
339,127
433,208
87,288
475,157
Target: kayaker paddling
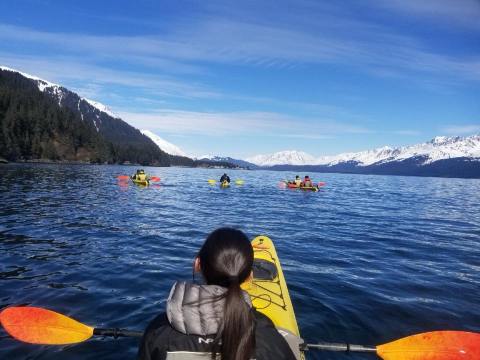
216,318
140,175
225,179
307,182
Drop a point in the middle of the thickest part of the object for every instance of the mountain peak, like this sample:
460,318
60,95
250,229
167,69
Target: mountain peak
101,107
163,144
58,91
44,83
286,157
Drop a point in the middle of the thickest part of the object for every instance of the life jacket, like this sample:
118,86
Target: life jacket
307,182
298,182
141,177
192,320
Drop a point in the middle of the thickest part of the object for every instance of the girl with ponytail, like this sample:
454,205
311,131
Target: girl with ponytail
216,318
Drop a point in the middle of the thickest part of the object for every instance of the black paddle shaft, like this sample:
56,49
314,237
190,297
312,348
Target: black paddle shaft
115,332
339,347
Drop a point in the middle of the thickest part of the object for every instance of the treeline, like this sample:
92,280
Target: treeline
33,126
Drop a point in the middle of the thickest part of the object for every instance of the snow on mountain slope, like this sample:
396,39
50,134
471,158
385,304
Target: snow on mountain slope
288,157
439,148
101,107
164,145
56,90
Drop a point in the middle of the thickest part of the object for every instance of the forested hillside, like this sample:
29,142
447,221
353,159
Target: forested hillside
35,125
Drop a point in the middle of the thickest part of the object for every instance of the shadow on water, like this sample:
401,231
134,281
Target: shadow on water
368,259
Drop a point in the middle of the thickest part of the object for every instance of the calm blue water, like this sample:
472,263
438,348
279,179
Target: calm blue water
368,259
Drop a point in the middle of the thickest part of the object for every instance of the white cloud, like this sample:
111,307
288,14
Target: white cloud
461,129
237,123
70,69
249,43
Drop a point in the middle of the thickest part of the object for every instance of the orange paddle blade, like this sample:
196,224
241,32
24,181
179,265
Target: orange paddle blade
123,177
40,326
154,178
435,345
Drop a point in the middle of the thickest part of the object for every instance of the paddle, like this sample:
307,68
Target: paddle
126,177
237,182
40,326
435,345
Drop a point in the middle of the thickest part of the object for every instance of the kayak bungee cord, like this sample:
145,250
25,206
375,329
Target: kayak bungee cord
257,282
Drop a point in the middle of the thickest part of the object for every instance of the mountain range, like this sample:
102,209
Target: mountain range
41,120
442,156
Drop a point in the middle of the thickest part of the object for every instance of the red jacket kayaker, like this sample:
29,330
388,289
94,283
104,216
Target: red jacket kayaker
307,182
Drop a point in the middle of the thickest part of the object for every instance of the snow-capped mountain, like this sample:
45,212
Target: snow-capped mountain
441,156
163,144
60,92
288,157
105,136
439,148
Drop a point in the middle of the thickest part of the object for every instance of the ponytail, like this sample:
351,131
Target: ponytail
238,336
226,259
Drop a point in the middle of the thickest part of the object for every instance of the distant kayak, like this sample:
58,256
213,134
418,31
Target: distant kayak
306,188
141,182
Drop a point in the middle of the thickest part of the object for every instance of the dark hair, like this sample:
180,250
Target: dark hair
226,259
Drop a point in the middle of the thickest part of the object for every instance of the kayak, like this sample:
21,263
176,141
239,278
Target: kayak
141,182
306,188
269,293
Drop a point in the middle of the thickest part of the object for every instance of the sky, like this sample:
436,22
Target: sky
241,78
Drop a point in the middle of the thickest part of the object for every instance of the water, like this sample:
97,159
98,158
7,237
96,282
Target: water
369,259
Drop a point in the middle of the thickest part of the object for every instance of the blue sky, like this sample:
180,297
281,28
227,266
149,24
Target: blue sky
241,78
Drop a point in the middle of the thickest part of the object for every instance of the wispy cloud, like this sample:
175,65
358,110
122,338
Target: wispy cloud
235,123
63,69
467,129
217,40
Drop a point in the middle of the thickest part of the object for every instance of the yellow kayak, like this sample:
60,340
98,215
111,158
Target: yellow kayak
269,293
141,182
224,184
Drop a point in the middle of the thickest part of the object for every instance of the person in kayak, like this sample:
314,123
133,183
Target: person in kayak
307,182
298,181
226,178
203,321
140,175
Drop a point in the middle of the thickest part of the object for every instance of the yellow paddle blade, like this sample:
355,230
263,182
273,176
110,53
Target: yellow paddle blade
239,182
212,181
435,345
40,326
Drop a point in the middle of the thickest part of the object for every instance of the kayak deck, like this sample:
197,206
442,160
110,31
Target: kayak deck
305,188
269,293
141,182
